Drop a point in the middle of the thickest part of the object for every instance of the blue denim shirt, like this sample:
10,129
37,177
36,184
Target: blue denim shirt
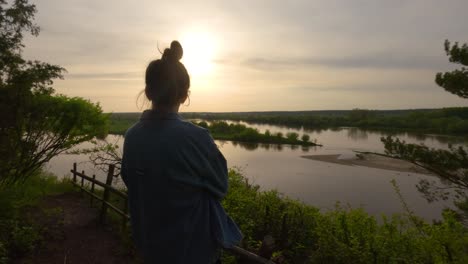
176,178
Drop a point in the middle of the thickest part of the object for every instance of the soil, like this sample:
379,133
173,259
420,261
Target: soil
71,234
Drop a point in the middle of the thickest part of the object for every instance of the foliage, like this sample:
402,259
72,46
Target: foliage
242,133
19,235
3,253
102,154
36,124
456,81
303,234
450,165
292,136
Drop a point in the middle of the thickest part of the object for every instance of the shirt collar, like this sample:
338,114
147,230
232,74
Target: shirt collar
153,114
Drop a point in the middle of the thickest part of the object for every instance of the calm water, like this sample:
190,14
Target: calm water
317,183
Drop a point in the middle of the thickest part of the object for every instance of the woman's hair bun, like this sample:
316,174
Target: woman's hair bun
174,53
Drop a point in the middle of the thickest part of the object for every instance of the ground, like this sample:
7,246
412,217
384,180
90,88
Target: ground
72,233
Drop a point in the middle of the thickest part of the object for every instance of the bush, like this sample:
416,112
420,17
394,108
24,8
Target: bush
3,253
23,238
303,234
293,136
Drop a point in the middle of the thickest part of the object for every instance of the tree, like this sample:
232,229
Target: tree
456,81
292,136
450,165
102,154
305,138
36,124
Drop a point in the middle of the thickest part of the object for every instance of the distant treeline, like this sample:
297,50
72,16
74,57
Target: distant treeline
445,121
452,120
222,130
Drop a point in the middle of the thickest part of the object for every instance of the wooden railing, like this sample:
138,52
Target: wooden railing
123,213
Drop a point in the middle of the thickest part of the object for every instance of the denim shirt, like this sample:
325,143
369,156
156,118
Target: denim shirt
176,177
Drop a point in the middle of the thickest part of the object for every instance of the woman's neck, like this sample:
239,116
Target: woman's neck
166,109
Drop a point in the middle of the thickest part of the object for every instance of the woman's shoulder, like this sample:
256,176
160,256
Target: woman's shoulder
132,130
190,128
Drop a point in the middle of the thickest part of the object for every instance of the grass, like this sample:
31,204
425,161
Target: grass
18,234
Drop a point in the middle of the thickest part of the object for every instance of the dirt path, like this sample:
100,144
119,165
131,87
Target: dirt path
72,235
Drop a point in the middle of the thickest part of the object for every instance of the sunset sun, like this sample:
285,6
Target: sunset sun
199,52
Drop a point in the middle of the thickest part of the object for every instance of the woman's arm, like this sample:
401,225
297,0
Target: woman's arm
208,167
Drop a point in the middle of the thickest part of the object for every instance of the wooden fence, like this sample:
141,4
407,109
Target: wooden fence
106,204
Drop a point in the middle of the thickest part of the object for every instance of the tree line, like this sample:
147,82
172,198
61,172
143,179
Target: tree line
452,120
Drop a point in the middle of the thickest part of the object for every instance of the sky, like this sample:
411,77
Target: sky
256,55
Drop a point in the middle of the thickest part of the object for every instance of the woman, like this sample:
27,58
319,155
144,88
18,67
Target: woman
175,175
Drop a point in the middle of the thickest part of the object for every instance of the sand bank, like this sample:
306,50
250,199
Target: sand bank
370,160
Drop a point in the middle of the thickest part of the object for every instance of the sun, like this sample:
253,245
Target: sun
199,52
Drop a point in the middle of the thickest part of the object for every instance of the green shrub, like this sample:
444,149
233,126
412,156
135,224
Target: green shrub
304,234
293,136
23,238
3,253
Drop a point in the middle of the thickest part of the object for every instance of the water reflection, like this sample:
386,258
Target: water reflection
357,134
249,146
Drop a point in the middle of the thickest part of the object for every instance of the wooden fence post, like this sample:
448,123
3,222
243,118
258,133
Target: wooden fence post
92,190
82,182
110,176
74,172
266,220
267,248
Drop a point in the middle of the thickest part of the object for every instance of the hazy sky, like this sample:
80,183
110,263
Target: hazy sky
256,55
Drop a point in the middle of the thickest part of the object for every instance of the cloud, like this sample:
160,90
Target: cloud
368,61
106,76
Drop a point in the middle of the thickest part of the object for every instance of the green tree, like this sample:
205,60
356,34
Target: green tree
456,81
305,138
450,165
292,136
36,124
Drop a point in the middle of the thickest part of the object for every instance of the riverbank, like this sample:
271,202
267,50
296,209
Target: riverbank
369,160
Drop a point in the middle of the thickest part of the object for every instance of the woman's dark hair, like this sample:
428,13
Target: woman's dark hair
167,80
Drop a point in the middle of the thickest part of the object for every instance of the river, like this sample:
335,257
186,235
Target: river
314,182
